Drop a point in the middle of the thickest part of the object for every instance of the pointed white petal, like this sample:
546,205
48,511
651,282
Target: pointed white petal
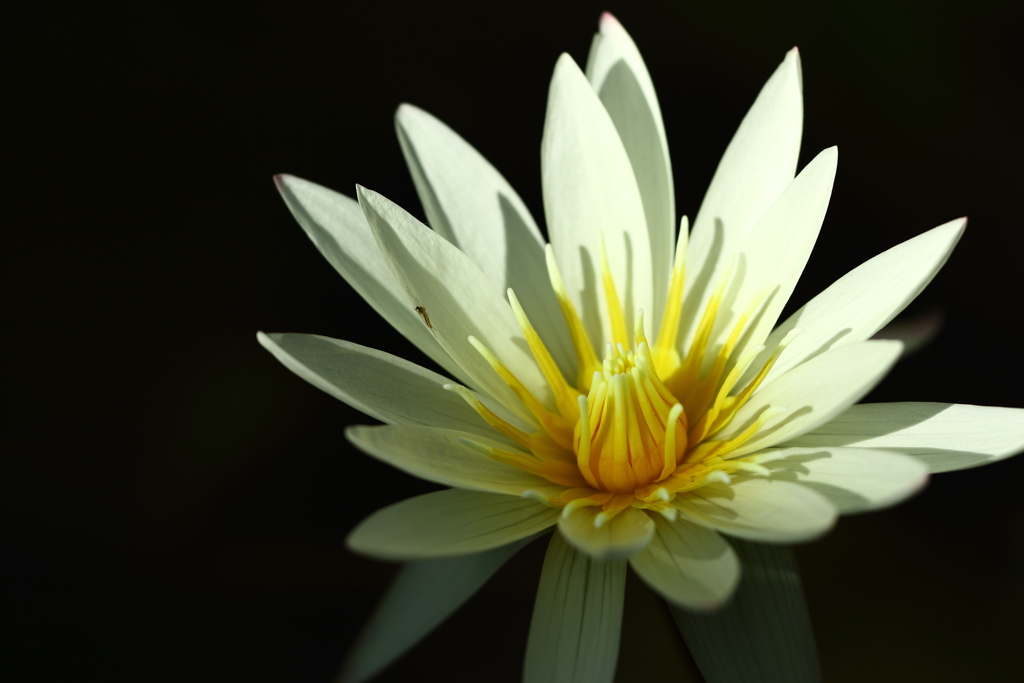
762,635
455,301
853,479
422,596
472,206
589,189
813,393
577,617
452,522
756,167
437,455
861,302
624,535
775,253
383,386
339,230
619,75
945,436
689,565
759,510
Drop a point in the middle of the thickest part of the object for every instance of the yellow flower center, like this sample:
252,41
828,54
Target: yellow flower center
638,427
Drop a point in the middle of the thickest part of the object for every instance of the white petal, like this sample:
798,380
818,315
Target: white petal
452,522
861,302
945,436
472,206
455,301
339,230
577,617
688,565
813,393
437,455
619,75
762,635
422,596
624,535
775,253
756,167
759,510
589,189
383,386
853,479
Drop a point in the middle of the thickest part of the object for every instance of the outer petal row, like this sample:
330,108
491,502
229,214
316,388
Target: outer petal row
337,227
383,386
455,301
452,522
469,203
945,436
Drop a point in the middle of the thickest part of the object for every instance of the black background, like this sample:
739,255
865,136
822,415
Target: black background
175,502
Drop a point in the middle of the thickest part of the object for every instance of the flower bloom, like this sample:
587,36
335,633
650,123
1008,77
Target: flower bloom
632,388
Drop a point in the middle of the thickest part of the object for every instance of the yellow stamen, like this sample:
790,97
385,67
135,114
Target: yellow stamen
558,472
616,318
565,395
556,426
585,355
666,356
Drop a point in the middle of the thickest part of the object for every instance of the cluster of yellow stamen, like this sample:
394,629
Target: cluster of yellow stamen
637,428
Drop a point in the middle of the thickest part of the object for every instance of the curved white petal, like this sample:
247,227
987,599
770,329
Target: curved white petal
766,621
775,252
624,535
619,75
689,565
590,190
472,206
758,164
861,302
422,596
813,393
946,436
339,230
383,386
452,522
853,479
759,510
455,301
577,618
437,455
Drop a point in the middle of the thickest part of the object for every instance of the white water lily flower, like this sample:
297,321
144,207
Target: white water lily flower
631,388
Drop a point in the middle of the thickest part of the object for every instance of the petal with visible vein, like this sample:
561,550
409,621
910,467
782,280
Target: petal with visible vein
472,206
689,565
456,301
452,522
946,436
577,618
422,596
853,479
759,510
383,386
338,228
437,455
